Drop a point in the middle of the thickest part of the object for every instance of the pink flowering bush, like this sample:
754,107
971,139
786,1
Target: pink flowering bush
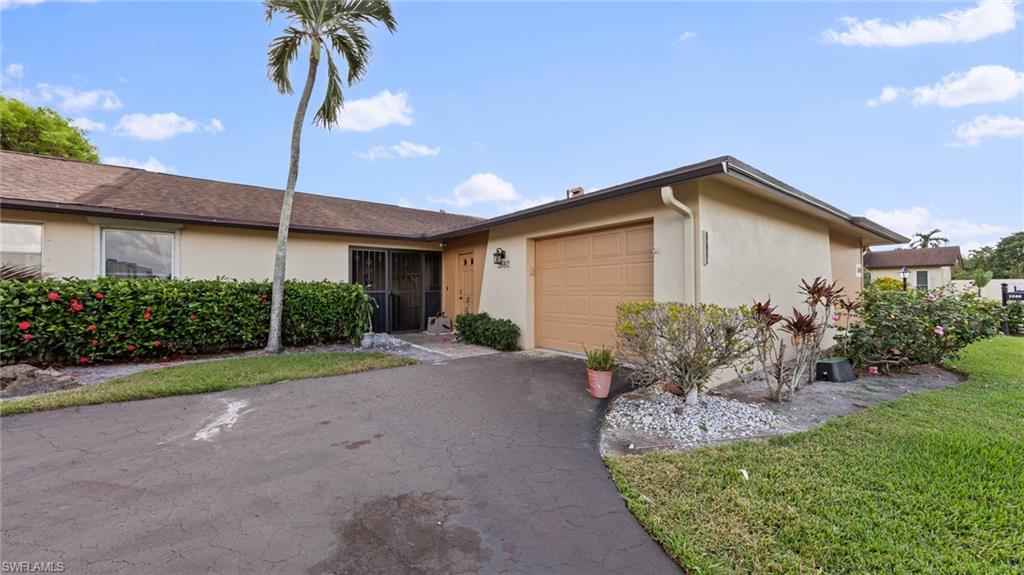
108,319
896,329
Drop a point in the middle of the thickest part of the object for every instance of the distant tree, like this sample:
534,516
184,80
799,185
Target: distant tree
981,279
328,27
42,131
1004,260
929,239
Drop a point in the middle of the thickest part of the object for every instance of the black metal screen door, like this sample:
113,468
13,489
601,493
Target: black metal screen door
406,287
405,284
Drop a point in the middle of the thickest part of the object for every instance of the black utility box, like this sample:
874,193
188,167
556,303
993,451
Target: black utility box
837,369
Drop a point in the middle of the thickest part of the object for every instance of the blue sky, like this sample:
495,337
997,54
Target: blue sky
483,108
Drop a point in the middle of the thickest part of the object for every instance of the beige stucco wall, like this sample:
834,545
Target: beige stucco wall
509,292
847,259
70,244
938,276
993,290
758,249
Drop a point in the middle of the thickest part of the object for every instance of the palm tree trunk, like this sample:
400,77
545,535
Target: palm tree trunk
277,293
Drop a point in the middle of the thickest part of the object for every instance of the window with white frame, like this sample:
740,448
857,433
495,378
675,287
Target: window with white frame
130,253
922,279
21,245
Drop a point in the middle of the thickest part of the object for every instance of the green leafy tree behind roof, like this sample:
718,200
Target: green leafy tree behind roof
42,131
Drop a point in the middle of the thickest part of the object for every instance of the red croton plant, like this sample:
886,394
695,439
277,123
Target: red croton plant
806,330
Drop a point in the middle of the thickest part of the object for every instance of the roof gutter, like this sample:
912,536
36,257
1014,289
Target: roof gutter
741,173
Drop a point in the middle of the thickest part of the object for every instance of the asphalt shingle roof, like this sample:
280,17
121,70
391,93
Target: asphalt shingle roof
913,257
51,183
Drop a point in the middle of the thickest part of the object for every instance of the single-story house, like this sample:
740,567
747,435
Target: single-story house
929,268
718,231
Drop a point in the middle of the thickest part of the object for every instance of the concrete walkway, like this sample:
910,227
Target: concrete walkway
486,464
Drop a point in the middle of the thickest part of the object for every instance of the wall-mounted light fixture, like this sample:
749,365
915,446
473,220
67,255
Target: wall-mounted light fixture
499,258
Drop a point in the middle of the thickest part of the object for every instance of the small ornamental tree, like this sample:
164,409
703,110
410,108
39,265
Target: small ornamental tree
682,344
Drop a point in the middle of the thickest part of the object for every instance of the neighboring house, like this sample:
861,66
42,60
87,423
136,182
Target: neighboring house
719,231
929,268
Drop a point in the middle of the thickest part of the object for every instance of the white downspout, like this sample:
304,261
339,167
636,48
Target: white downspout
668,197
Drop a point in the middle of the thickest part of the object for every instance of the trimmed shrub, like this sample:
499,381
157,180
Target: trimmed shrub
482,329
887,284
682,344
896,329
1015,317
88,320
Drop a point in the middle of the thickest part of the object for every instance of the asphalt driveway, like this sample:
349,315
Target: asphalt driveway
486,464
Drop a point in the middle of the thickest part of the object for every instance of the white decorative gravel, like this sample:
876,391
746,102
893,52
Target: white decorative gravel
710,419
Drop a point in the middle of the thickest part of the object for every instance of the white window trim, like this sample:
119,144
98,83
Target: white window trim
101,224
42,240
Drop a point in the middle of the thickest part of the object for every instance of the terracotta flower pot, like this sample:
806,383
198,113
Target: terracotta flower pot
599,382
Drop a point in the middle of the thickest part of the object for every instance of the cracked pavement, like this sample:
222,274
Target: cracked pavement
479,465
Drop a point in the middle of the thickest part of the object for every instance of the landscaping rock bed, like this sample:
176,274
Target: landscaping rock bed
652,413
651,419
23,379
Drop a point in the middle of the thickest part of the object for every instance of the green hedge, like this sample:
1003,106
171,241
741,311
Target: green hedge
482,329
83,321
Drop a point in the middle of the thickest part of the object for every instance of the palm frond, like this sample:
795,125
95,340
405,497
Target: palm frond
282,52
355,47
327,115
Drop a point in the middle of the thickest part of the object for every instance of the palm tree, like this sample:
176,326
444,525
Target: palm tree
328,27
929,239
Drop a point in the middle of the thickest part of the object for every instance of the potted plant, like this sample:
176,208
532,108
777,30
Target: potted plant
600,363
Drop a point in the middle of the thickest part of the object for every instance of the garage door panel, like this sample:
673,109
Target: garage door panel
608,245
577,276
577,306
639,241
608,275
639,275
549,253
582,279
576,248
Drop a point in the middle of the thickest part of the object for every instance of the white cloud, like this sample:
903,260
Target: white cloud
15,70
403,149
88,125
688,35
957,26
368,114
151,164
920,219
74,100
12,4
985,126
979,85
163,126
486,192
889,93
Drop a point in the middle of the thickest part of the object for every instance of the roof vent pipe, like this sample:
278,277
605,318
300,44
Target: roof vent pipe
573,192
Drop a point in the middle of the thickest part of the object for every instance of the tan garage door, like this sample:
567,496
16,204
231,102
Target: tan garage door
580,279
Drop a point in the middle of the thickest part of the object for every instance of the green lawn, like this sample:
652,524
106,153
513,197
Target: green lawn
206,377
929,483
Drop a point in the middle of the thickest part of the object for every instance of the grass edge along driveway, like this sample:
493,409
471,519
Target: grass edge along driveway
929,483
205,377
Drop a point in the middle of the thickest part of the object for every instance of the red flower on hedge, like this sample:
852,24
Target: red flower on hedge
131,347
147,315
156,343
92,327
192,317
24,325
27,336
53,296
83,360
76,306
99,295
94,342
